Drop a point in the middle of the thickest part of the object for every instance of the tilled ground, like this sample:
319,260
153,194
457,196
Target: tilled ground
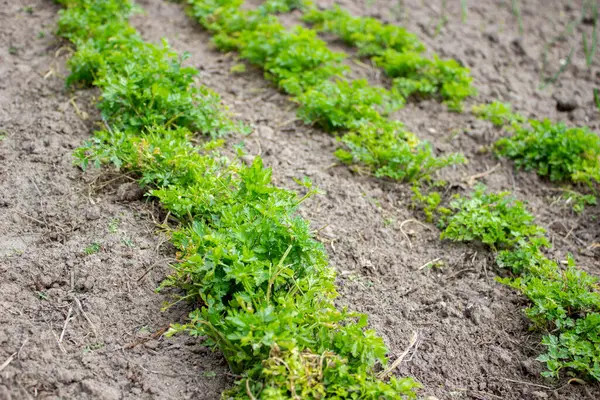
472,341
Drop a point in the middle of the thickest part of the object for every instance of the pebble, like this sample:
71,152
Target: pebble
479,314
566,104
152,344
265,131
130,191
93,213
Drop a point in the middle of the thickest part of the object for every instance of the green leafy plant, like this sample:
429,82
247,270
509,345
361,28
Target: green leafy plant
498,113
495,219
92,248
553,150
430,201
262,285
565,303
579,201
369,35
399,53
302,65
383,151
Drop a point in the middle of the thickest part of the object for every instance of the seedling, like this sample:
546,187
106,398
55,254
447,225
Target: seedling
516,10
41,295
92,248
128,242
113,225
238,68
92,348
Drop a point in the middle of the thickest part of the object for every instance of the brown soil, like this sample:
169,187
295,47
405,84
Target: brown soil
473,341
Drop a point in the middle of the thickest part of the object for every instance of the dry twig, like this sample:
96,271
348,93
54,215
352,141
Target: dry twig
396,364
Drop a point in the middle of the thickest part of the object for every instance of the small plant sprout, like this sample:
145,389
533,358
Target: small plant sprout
92,248
113,225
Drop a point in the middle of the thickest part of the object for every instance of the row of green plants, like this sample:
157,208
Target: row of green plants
565,301
562,154
302,65
262,285
399,53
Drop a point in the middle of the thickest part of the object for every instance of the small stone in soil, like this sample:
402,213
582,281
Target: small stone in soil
130,191
566,104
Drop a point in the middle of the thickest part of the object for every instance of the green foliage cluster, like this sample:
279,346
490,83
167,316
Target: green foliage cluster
399,53
565,301
302,65
369,35
143,84
495,219
553,150
263,286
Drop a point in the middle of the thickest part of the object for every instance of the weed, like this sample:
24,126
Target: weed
41,35
597,98
92,248
128,242
92,347
443,19
578,201
499,114
113,225
41,295
13,50
389,222
516,10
